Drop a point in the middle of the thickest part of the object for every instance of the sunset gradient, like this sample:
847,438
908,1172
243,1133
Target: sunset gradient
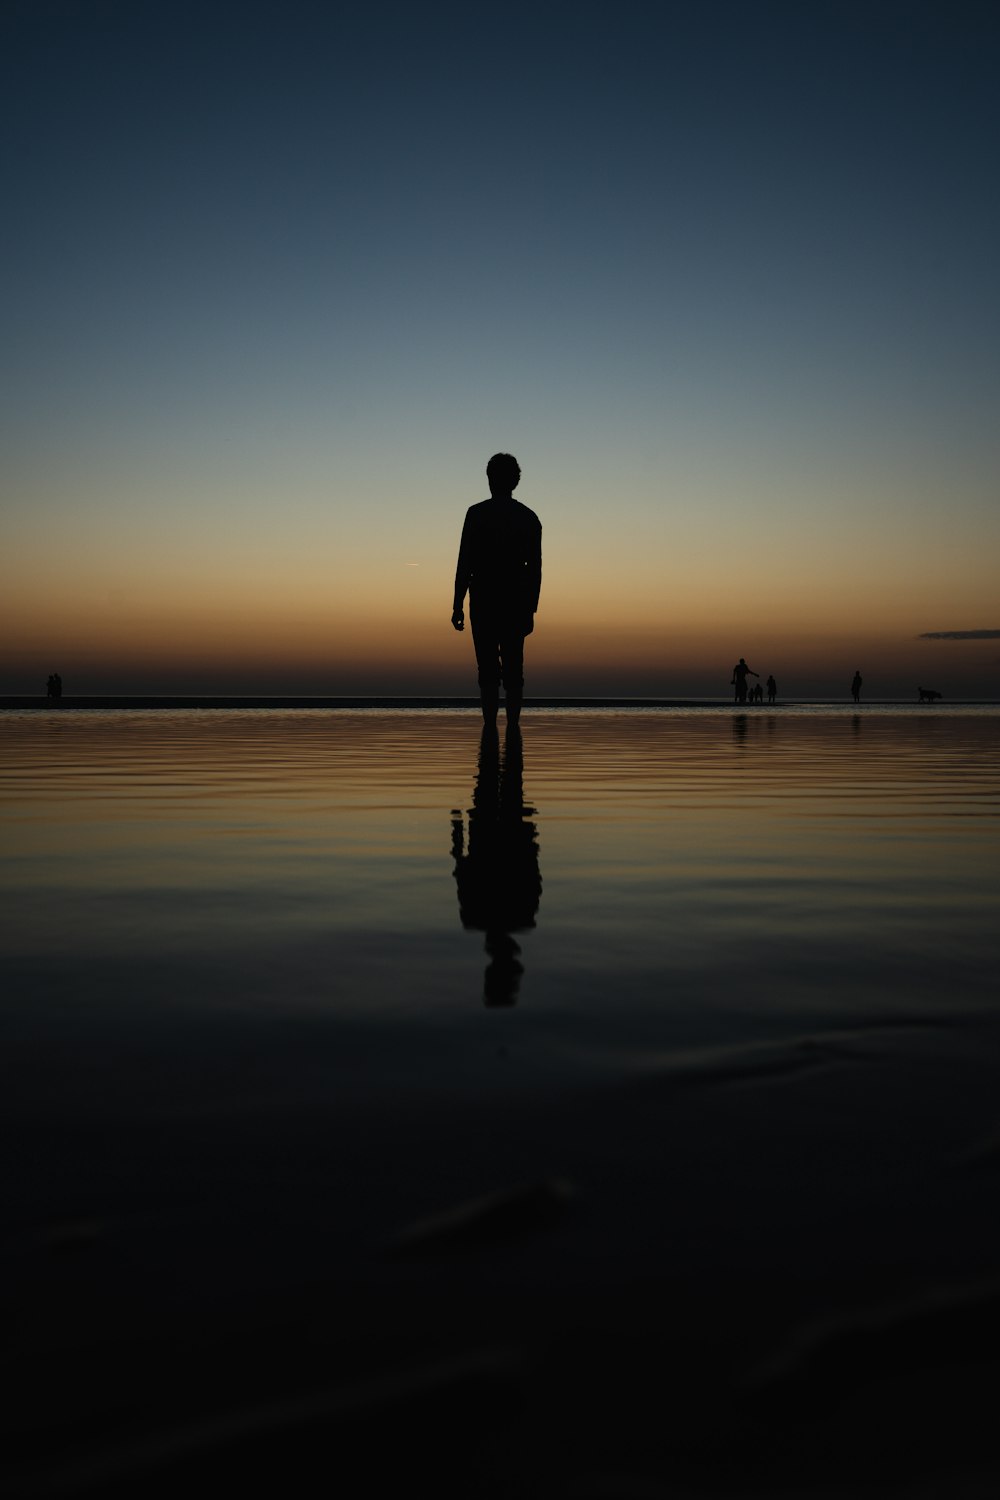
279,281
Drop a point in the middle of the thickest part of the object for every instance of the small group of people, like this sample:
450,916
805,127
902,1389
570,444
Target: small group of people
747,694
755,694
53,685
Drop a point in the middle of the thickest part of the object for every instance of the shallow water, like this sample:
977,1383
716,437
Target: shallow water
664,875
280,986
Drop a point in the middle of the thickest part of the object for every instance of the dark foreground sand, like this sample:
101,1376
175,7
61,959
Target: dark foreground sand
760,1271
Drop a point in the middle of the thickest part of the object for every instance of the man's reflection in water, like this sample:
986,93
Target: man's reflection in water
496,863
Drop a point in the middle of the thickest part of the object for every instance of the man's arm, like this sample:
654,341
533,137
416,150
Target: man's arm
463,575
535,569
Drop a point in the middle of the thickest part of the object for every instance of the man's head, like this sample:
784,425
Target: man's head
503,472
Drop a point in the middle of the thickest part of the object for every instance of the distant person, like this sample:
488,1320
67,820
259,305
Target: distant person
740,679
772,690
500,567
856,687
758,693
50,686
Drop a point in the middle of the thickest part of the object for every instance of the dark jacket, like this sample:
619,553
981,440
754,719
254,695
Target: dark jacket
500,558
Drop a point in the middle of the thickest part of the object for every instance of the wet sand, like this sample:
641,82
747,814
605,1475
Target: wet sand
768,1270
612,1241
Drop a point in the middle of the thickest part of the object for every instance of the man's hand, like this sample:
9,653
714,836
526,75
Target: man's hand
458,619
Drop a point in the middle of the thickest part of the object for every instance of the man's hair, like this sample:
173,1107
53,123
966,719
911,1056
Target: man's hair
504,469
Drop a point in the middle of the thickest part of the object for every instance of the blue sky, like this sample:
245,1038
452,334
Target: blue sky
281,277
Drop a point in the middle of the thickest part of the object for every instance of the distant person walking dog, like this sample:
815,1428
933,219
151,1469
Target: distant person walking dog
500,567
856,687
739,679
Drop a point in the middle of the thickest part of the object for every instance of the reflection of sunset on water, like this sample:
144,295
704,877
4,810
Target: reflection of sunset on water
667,838
311,1076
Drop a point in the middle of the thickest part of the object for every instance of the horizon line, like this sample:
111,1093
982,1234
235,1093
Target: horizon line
12,702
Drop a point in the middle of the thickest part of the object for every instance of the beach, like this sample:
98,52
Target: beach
609,1110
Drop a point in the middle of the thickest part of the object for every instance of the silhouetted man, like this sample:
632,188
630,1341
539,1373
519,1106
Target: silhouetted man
772,689
500,566
856,687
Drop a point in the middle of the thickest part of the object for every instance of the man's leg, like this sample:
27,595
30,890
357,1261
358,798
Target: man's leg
512,665
484,638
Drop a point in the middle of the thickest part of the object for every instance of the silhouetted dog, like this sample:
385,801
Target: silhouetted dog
927,695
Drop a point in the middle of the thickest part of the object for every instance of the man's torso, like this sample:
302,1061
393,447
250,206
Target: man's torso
504,539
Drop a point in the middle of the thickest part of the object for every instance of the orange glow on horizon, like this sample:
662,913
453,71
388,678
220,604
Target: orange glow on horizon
345,613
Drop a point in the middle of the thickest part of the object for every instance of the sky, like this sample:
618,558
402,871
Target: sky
278,279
